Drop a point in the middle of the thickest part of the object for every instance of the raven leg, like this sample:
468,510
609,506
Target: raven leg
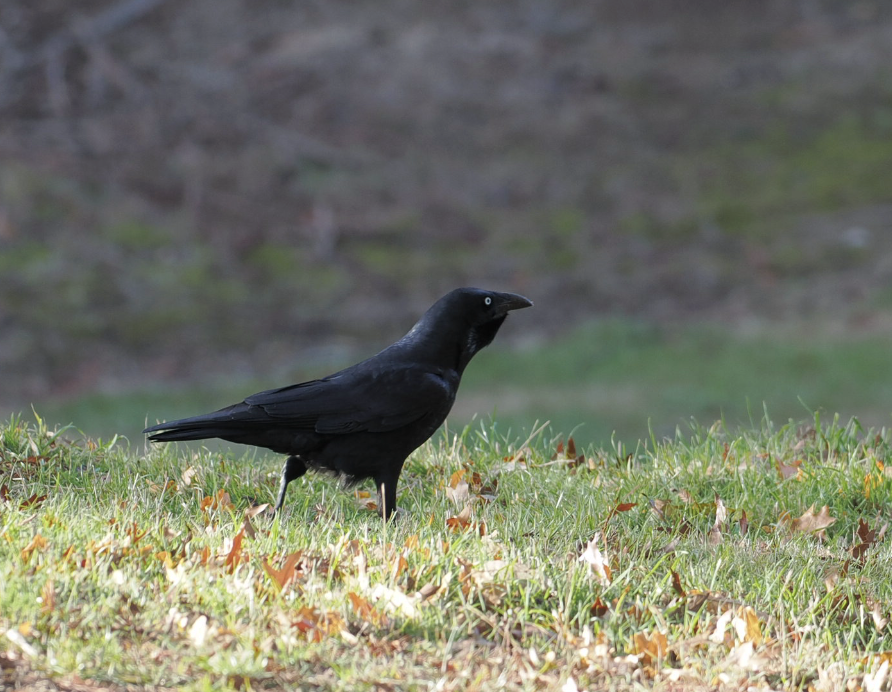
387,494
294,468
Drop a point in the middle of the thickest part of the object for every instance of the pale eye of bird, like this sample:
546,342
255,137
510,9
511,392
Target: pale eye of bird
487,300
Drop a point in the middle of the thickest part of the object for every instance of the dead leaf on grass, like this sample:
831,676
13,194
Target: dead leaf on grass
721,514
37,544
747,626
48,597
366,611
596,560
219,501
32,501
462,522
234,556
866,537
812,523
789,471
650,647
288,572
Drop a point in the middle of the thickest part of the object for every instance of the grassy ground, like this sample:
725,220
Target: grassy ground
717,560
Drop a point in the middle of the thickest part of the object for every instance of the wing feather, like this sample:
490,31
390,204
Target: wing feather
375,401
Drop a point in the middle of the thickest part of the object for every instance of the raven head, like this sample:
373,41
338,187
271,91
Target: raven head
474,316
460,324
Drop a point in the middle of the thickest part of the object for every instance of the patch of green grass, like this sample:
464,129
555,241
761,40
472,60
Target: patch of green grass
616,569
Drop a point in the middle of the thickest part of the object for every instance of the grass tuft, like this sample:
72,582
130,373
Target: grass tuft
717,558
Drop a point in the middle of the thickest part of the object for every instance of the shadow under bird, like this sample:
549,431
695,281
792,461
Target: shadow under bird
364,421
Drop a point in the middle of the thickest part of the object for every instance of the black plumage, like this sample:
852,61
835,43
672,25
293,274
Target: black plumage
364,421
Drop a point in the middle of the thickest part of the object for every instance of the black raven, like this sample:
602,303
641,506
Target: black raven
364,421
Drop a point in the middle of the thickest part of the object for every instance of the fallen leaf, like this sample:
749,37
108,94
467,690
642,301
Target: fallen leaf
198,632
721,515
365,610
747,626
219,501
569,686
32,501
676,585
810,522
459,494
596,560
48,597
789,471
315,624
718,634
650,648
188,475
284,576
395,601
463,522
875,682
621,507
234,557
599,608
37,544
252,512
867,538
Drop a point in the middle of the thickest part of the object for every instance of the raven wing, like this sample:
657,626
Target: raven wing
376,400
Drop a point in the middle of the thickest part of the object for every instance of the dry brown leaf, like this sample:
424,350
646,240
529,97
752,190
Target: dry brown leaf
879,620
399,566
48,597
459,493
219,501
365,500
876,682
396,601
650,647
32,501
4,493
810,522
366,611
284,576
747,626
463,522
234,556
621,507
252,512
37,544
676,585
721,514
316,625
790,471
599,609
660,507
867,538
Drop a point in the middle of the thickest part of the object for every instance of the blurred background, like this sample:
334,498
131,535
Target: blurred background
204,198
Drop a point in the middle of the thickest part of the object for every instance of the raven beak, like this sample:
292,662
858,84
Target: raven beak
505,302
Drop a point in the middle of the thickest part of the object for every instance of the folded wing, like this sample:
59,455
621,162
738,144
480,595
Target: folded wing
367,400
